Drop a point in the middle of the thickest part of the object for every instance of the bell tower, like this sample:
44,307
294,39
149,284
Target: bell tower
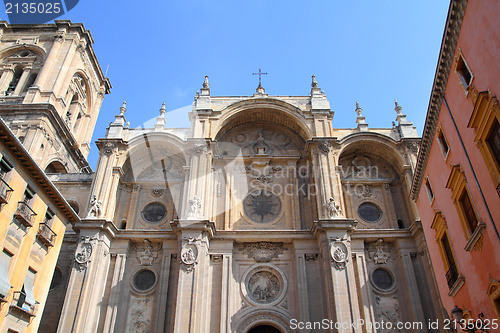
51,90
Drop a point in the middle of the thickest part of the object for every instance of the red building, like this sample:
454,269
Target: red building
457,182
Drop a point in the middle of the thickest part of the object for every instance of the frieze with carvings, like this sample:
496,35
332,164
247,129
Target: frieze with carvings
263,251
387,310
140,314
147,252
258,142
378,252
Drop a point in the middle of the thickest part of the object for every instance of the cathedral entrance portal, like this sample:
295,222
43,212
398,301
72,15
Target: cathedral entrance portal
264,329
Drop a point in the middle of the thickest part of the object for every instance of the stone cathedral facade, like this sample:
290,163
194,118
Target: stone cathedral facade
260,217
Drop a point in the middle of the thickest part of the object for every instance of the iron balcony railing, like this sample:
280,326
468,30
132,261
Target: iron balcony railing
5,191
19,303
45,234
25,214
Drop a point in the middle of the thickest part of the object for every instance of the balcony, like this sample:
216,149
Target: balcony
5,191
24,214
45,234
19,304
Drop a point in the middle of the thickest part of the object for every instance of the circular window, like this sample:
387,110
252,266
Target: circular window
382,279
369,212
154,212
262,206
56,278
144,280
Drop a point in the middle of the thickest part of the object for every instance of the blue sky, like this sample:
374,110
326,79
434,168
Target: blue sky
367,51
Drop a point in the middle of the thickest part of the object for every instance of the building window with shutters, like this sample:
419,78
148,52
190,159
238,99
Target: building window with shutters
468,216
454,279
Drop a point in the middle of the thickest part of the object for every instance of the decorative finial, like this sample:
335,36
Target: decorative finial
398,107
123,108
205,83
314,83
162,109
358,109
260,89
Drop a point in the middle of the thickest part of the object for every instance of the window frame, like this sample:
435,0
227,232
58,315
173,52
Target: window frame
460,59
440,134
429,190
457,182
485,115
441,227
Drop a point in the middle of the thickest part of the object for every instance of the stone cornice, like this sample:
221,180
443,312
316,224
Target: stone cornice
67,138
448,46
24,158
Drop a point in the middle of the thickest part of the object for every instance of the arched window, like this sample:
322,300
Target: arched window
30,82
55,167
18,71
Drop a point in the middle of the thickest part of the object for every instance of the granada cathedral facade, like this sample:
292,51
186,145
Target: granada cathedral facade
260,217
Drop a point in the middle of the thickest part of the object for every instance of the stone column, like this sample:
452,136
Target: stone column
362,283
226,287
334,239
163,290
407,251
193,304
82,306
7,76
326,178
199,177
113,304
22,81
105,180
49,62
302,298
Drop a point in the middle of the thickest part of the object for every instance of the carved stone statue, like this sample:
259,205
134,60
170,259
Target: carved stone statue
194,207
95,207
332,209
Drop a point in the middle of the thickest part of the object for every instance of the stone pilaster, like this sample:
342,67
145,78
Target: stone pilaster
82,306
334,238
407,252
193,304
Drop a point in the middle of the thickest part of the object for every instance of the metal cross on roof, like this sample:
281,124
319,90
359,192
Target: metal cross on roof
260,76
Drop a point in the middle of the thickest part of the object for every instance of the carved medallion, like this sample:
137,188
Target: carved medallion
339,253
264,284
84,252
264,287
189,254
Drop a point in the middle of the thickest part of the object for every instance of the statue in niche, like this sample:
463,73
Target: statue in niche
332,209
95,207
194,207
261,147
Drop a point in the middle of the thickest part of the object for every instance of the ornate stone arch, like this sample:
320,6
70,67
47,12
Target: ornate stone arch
271,317
40,52
265,109
385,147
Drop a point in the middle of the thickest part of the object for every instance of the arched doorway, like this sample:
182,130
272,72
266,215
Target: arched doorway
264,329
